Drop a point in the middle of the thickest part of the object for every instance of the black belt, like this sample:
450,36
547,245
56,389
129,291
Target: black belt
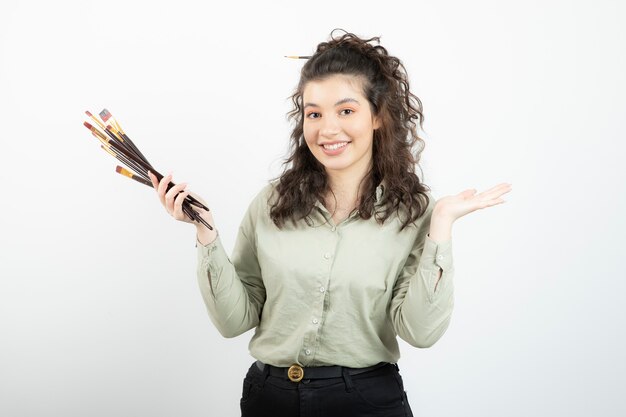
296,373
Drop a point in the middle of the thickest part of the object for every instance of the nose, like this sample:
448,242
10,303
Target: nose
330,126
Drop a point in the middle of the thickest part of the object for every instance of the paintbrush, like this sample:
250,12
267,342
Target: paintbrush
106,115
132,163
129,164
190,212
119,145
131,175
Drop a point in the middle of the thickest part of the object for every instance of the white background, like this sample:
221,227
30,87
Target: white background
100,313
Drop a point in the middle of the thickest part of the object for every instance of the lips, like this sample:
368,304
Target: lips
333,143
339,150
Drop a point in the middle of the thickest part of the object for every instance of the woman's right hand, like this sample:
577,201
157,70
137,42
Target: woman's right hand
173,199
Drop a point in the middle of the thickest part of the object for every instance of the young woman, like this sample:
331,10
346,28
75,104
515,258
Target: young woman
340,254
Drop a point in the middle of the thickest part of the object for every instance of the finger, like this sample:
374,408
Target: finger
153,179
490,203
468,193
495,192
179,214
173,192
197,197
496,201
163,187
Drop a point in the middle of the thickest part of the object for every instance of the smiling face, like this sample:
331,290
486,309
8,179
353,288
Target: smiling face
338,115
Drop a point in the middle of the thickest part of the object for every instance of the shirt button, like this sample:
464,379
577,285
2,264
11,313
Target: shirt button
314,321
440,257
322,289
332,229
327,255
308,351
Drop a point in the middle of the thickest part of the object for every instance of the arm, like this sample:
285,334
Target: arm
233,291
423,295
440,232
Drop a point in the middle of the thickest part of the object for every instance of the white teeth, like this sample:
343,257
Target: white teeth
335,146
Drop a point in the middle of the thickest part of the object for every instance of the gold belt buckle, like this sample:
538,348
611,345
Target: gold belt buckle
295,373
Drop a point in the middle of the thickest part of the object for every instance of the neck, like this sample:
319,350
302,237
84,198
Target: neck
346,186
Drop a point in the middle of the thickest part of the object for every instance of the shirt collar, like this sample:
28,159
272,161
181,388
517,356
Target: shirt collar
379,192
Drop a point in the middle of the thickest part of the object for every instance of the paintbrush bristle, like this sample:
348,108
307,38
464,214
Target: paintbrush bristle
108,149
124,171
105,115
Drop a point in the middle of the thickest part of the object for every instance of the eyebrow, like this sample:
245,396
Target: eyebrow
342,101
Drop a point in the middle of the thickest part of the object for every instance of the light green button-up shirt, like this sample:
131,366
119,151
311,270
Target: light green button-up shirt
325,294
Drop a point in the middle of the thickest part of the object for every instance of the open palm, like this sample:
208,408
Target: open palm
455,206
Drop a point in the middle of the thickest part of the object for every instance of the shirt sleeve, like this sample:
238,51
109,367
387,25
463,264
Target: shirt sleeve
422,300
232,288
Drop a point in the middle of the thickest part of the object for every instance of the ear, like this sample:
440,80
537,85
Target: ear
375,122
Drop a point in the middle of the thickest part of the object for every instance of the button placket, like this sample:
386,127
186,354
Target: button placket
318,304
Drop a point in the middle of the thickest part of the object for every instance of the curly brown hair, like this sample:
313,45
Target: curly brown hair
396,144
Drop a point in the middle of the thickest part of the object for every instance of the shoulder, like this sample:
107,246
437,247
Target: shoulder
267,192
427,200
263,198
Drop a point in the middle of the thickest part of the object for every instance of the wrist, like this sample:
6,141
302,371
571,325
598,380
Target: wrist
440,229
205,236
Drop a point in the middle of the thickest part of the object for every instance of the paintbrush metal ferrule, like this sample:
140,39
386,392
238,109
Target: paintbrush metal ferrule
113,130
94,131
297,57
114,122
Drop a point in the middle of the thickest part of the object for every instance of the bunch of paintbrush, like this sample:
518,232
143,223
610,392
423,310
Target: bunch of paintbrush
117,143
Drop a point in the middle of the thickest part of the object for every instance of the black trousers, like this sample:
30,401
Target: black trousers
379,392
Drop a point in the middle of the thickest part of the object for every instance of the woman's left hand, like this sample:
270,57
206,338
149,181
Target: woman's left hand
453,207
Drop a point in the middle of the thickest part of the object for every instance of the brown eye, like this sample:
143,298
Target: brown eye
309,115
350,110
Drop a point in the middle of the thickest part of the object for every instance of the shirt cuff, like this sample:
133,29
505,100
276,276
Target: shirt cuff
212,259
210,243
438,253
